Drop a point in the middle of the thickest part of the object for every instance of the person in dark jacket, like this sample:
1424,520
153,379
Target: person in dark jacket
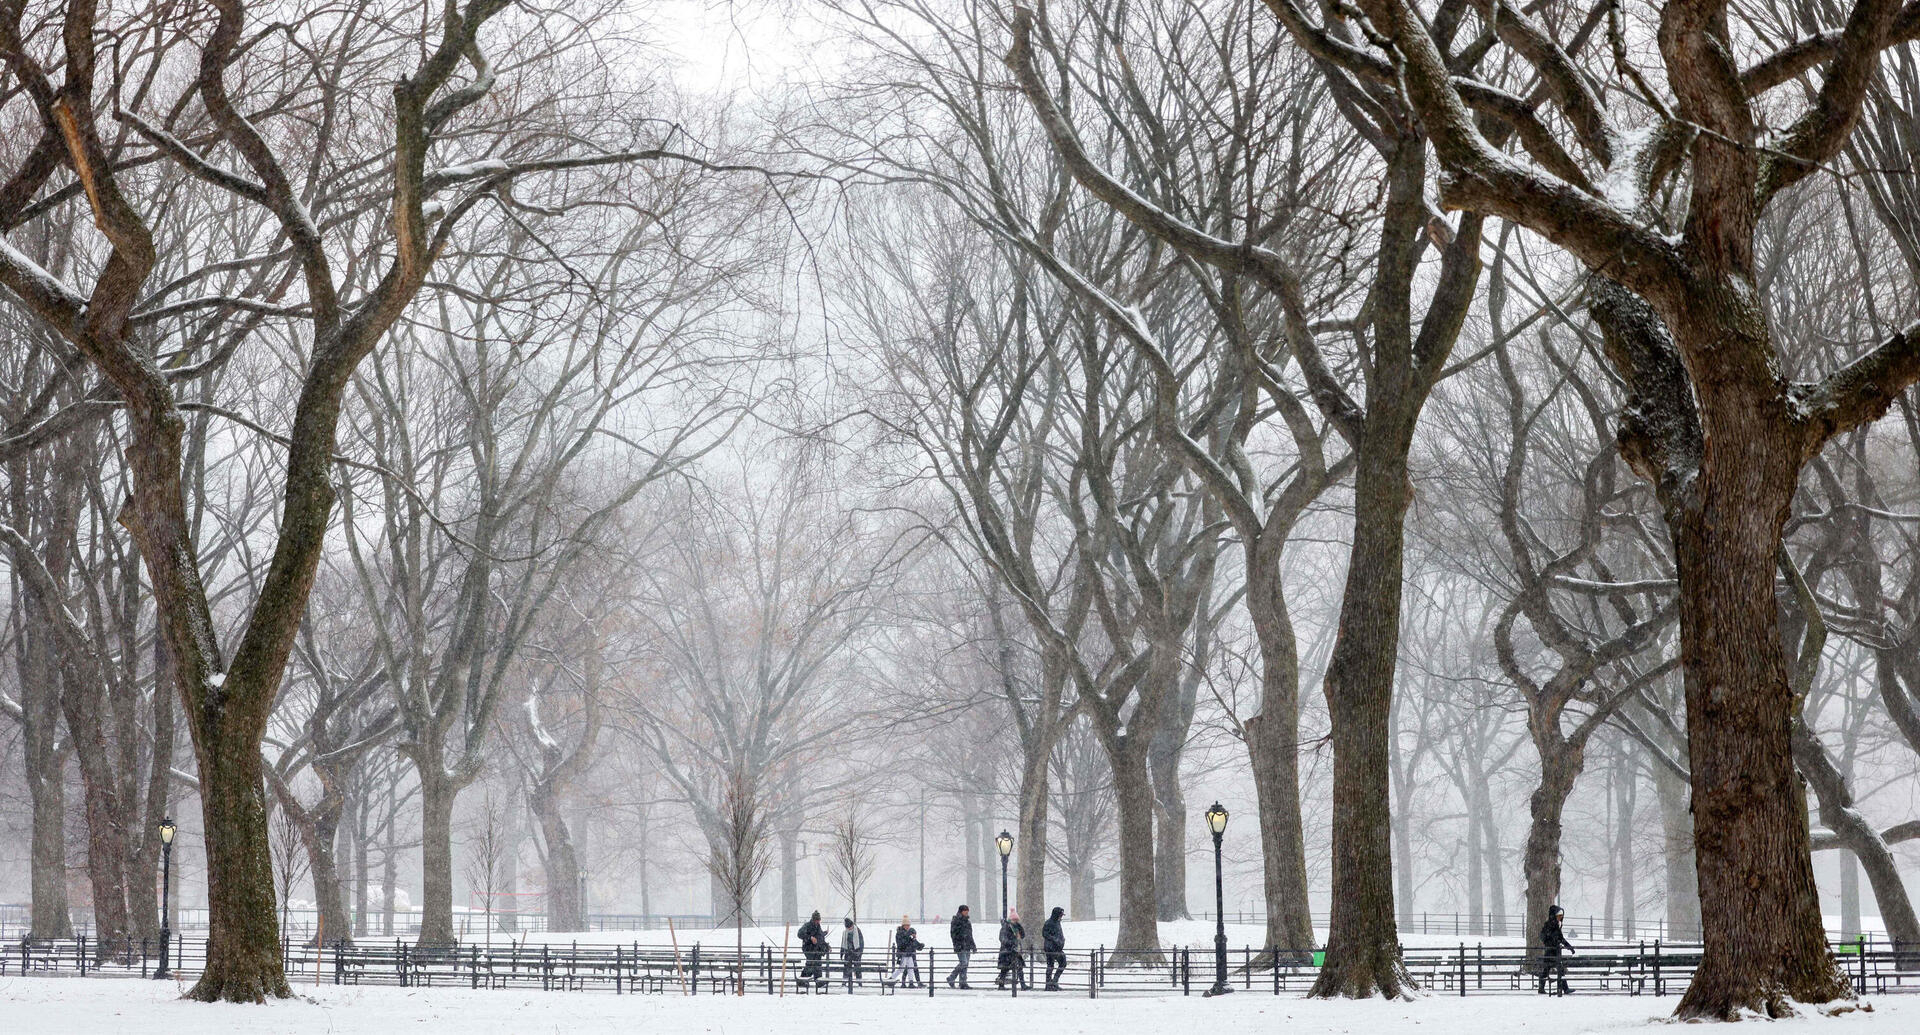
961,931
906,954
1012,939
853,945
813,945
1552,942
1054,940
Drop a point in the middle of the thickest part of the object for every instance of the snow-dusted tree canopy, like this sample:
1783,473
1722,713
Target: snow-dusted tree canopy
524,465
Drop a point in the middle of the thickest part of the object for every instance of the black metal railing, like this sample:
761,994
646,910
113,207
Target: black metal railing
1638,968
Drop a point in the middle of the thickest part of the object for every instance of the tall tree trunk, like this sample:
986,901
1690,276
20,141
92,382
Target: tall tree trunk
1495,866
105,815
1849,896
1476,874
970,835
1273,746
1030,840
243,954
1139,937
1677,869
1765,940
1623,787
565,911
1170,824
143,877
50,918
437,793
1560,764
1363,945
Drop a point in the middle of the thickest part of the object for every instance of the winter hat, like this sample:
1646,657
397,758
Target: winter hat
847,920
1556,911
962,909
816,915
1013,914
1058,912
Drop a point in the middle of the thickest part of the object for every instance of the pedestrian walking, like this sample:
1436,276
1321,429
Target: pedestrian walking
813,946
961,931
1013,937
853,945
906,955
1053,939
1552,941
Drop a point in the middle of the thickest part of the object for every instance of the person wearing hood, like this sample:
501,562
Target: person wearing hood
961,931
813,945
1053,939
1012,937
1552,941
853,945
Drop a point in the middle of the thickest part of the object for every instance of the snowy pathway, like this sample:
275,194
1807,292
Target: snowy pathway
53,1006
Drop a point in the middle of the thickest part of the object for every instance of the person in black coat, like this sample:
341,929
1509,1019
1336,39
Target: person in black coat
961,931
1552,941
853,945
1053,939
1012,938
813,945
906,954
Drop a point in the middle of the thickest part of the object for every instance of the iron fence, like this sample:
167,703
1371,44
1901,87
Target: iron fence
1651,968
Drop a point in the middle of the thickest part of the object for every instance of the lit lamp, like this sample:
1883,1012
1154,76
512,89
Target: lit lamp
167,830
1217,824
1005,843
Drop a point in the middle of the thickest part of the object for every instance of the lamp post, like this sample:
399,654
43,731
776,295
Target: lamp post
1005,843
1217,823
166,894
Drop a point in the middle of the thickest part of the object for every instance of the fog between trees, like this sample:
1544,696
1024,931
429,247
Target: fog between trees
473,459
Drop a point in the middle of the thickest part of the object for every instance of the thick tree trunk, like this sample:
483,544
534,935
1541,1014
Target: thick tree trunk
1139,937
1560,765
1476,875
437,793
50,918
243,954
1623,844
84,705
1030,840
1849,896
1766,946
1273,749
1170,826
1273,746
1363,946
329,898
565,911
1677,869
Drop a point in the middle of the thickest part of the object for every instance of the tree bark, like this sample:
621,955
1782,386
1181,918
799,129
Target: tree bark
1139,936
437,793
1273,747
1766,945
1170,821
1560,765
243,940
1030,840
565,911
1363,945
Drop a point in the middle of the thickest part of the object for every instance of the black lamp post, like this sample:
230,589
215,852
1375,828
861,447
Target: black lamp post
1005,843
1217,823
166,894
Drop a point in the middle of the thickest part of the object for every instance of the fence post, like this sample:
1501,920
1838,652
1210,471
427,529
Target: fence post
1186,971
933,968
337,948
696,968
400,960
1659,988
1463,970
1480,966
1862,989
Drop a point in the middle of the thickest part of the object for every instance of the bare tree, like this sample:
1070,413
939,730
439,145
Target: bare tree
851,858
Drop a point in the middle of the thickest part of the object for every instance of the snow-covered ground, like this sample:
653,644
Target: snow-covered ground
56,1006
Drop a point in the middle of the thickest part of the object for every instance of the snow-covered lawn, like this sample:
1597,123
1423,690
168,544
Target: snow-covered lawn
52,1006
